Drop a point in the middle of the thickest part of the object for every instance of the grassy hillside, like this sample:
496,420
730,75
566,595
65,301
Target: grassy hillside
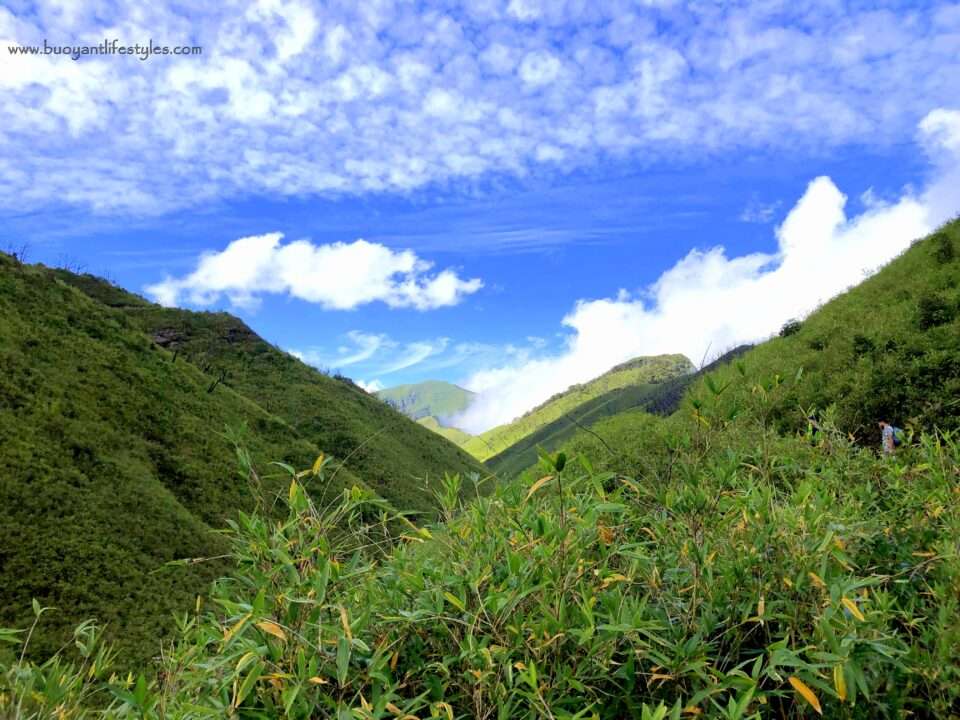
396,457
432,397
715,563
661,398
454,435
640,371
113,459
111,464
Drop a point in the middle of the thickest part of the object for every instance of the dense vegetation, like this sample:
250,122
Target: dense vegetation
441,400
731,561
639,371
397,458
114,460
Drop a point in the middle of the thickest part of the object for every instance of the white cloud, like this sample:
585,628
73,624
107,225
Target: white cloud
340,97
339,276
709,302
371,387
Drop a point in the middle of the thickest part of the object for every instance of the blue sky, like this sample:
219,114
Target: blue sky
510,195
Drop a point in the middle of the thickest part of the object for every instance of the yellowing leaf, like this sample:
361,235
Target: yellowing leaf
924,554
445,707
662,677
761,606
839,682
345,621
394,709
317,465
852,607
615,578
272,628
817,580
317,680
806,693
537,485
235,629
692,710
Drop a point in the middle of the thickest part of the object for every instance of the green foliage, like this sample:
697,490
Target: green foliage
636,372
440,399
739,574
113,461
943,248
934,310
791,327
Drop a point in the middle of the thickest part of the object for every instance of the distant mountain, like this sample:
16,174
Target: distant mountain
661,398
435,398
636,372
114,458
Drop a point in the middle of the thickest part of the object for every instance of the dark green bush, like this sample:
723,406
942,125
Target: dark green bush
791,327
934,310
862,345
943,249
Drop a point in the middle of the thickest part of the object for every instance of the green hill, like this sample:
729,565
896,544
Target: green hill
431,397
639,371
454,435
720,562
661,398
113,460
888,349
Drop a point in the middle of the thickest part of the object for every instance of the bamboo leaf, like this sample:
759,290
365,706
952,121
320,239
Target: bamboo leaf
272,628
806,693
840,682
852,607
537,485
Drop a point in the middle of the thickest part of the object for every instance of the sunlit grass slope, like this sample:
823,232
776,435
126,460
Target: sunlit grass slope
431,397
639,371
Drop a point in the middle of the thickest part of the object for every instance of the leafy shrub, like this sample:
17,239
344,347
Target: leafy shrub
933,310
791,327
741,576
943,250
862,345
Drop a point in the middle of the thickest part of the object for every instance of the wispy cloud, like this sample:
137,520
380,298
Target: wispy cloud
294,98
338,276
710,300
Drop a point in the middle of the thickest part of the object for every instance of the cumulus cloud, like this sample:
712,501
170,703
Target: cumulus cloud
709,301
337,97
338,276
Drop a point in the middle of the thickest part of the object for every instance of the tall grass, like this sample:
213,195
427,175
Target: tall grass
738,574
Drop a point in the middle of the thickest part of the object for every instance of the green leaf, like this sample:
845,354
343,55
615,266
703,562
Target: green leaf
343,660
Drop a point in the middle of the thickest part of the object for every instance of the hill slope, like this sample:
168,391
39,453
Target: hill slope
396,457
639,371
712,563
888,349
661,398
454,435
431,397
113,462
